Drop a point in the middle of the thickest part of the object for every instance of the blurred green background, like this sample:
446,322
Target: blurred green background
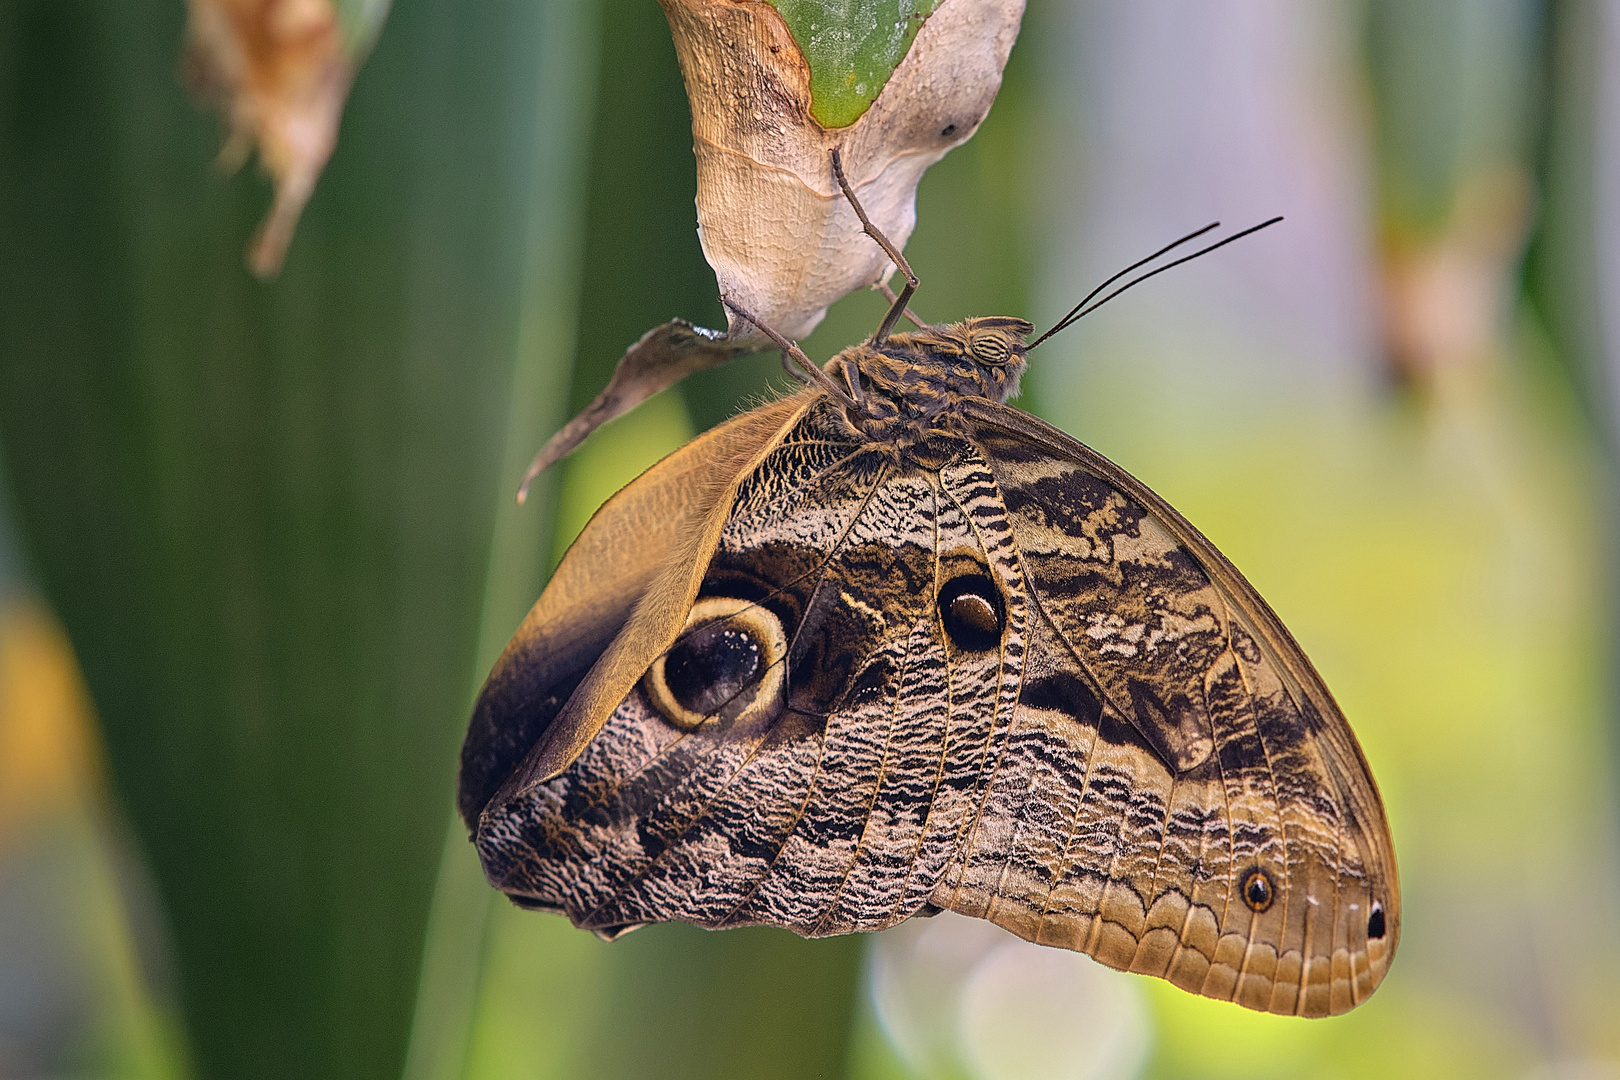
274,525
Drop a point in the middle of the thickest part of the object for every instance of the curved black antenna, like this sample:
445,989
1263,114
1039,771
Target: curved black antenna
1081,310
1073,312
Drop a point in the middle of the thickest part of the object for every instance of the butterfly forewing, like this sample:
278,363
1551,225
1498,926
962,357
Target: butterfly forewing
1175,797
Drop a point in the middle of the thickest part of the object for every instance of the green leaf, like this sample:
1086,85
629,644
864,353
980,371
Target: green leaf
852,47
264,513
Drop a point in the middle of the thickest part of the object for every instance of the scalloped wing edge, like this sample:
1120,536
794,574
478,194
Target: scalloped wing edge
1301,678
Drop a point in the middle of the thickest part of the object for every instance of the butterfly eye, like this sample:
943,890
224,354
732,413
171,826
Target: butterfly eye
1375,922
726,663
972,612
1257,890
991,349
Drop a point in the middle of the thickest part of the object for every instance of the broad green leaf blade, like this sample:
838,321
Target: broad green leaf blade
264,513
852,47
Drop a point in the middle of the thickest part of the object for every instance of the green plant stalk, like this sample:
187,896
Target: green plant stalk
448,995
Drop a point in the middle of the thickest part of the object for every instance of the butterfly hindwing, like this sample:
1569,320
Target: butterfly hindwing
835,805
607,610
1171,745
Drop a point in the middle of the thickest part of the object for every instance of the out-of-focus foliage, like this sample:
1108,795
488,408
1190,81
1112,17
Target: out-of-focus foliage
1458,95
1572,265
1458,90
73,995
279,72
515,187
264,513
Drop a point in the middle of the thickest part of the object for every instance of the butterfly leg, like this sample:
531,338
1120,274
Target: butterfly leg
899,304
888,294
852,376
805,369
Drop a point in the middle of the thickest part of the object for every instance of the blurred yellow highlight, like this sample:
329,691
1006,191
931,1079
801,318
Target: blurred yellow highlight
47,756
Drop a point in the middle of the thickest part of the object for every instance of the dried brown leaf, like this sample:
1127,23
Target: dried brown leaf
279,71
781,238
663,357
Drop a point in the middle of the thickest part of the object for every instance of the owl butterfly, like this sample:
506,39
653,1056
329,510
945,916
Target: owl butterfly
889,646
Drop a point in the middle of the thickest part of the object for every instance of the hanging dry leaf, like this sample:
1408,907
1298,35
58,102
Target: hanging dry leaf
781,238
279,70
663,357
906,79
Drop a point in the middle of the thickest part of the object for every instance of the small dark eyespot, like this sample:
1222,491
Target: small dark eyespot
1375,923
972,611
1257,890
950,129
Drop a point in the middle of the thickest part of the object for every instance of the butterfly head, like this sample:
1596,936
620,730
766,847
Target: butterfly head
983,357
909,386
929,367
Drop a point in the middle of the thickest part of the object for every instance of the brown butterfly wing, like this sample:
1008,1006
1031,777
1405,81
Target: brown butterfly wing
1105,776
838,806
1171,742
634,567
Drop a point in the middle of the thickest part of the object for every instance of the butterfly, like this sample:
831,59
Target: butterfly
889,646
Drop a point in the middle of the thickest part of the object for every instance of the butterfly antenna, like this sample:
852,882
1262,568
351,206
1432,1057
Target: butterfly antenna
1073,313
1086,307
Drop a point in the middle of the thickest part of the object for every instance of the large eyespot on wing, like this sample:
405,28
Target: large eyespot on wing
1212,820
617,587
727,664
